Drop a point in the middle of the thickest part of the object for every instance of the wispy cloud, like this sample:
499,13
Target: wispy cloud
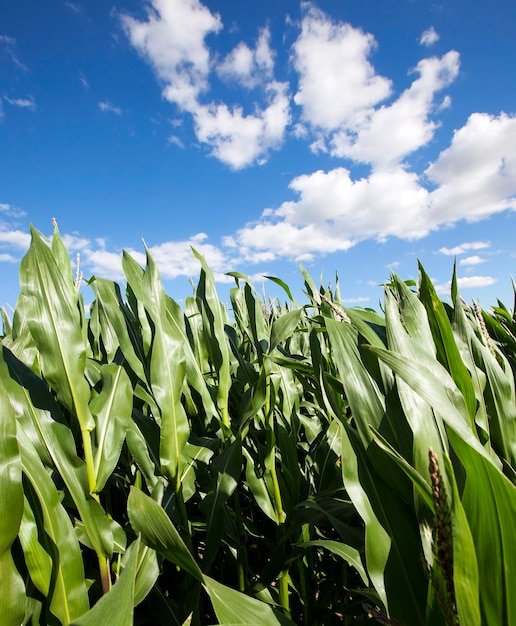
75,7
84,81
23,103
8,210
107,107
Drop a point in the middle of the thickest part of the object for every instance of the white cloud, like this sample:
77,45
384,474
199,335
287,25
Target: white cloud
240,140
107,107
174,258
390,133
75,7
429,37
357,300
467,282
249,67
336,80
23,103
172,41
472,260
8,258
334,213
15,238
476,175
84,81
463,247
176,141
11,211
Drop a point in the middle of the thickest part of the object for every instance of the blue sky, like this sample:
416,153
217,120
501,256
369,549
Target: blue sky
355,137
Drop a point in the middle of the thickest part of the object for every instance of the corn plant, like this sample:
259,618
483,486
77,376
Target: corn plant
259,462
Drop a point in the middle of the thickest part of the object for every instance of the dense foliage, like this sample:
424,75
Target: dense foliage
270,464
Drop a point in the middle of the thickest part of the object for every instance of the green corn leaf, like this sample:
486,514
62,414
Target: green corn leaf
214,320
167,372
54,321
194,374
349,554
116,607
282,284
114,318
64,581
228,466
11,489
147,573
12,592
378,542
465,565
42,421
12,589
283,327
112,412
489,502
447,350
233,607
426,431
157,531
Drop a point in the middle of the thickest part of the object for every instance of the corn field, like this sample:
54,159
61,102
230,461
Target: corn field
261,463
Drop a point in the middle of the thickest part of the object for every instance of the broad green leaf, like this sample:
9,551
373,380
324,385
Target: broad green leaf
283,327
363,394
43,423
228,466
233,607
116,607
147,573
465,566
489,502
167,372
11,489
114,315
214,321
55,324
426,432
258,487
194,375
349,554
64,582
112,412
12,592
157,531
378,542
447,351
440,393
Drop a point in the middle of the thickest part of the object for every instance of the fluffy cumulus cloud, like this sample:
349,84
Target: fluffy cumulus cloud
339,104
476,175
334,212
336,80
174,258
247,66
429,37
173,41
392,132
239,139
